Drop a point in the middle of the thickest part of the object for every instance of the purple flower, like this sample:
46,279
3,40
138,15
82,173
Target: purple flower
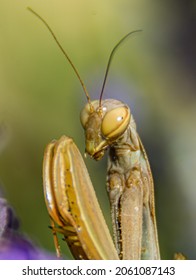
13,244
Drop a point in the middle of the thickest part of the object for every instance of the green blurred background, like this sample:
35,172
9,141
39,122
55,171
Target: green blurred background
41,98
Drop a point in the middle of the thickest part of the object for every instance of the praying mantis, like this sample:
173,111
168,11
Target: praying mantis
69,195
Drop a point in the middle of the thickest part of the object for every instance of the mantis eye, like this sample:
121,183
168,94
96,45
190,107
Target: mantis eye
87,111
84,115
115,122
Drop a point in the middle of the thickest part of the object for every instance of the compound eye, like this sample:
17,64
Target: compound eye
115,122
84,115
87,111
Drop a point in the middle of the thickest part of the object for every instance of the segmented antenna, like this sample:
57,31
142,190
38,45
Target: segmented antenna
65,54
110,60
74,68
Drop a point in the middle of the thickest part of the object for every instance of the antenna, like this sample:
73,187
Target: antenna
110,60
65,54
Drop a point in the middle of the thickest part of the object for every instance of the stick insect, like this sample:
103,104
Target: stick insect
69,194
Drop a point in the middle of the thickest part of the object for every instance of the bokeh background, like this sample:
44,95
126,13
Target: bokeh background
41,98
